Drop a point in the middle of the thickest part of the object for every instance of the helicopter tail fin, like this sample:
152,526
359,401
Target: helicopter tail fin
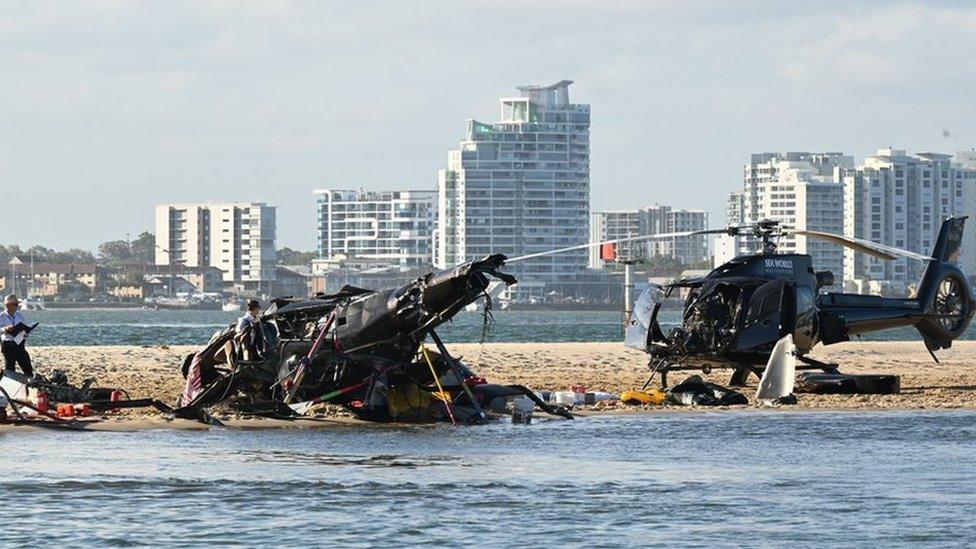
945,294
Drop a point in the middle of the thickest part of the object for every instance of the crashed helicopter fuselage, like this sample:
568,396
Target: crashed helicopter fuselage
361,349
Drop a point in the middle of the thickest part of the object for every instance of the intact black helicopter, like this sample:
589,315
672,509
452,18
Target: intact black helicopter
734,316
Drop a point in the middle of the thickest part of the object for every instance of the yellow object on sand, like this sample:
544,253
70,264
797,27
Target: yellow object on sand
408,402
441,395
653,397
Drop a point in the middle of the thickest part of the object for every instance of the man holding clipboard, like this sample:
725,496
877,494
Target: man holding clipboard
13,337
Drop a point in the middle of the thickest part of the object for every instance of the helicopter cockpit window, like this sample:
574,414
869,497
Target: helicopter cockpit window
639,331
644,307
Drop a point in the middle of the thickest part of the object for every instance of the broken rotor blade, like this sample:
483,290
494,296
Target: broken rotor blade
780,374
616,241
881,251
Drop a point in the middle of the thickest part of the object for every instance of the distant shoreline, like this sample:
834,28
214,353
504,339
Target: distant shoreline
121,306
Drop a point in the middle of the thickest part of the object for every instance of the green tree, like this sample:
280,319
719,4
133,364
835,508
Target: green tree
143,248
288,256
663,265
40,254
114,252
74,255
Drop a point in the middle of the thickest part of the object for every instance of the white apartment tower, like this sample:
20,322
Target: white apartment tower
802,190
654,219
236,237
900,200
520,186
395,227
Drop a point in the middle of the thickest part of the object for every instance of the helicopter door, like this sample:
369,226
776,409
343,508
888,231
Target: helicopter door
765,316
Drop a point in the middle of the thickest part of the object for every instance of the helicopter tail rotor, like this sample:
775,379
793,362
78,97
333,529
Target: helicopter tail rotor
945,293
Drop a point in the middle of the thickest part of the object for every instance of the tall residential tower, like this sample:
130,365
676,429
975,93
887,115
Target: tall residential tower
900,200
521,186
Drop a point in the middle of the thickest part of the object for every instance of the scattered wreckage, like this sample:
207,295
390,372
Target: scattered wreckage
364,350
32,399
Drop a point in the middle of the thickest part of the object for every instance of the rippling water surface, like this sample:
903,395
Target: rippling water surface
727,478
140,327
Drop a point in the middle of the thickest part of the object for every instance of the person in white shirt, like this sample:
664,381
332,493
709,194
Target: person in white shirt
253,312
251,341
13,342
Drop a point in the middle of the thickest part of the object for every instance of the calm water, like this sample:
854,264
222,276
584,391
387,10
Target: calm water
719,478
143,327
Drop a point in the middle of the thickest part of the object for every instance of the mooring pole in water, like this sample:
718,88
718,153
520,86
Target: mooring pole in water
628,292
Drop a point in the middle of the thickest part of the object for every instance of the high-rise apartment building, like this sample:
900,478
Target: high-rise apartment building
395,227
966,158
521,186
655,219
236,237
802,190
735,208
763,168
900,200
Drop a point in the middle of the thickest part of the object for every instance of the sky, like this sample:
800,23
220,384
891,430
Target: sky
109,107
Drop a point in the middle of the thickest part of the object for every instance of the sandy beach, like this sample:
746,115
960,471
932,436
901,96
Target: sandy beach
154,371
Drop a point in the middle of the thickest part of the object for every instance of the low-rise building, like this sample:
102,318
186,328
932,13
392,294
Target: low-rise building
54,279
204,279
292,280
169,285
129,292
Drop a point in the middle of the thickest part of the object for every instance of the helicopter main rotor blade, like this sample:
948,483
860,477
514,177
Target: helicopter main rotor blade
615,241
881,251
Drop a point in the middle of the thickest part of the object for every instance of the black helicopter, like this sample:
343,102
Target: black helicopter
361,349
735,315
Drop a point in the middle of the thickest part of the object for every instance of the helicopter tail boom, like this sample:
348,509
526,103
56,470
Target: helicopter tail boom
941,309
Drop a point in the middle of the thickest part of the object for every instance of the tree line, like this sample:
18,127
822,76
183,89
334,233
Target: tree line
116,253
112,253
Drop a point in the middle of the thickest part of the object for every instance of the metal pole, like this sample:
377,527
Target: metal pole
628,292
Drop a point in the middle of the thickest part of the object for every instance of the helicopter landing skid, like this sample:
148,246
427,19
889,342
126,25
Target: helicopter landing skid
814,364
740,374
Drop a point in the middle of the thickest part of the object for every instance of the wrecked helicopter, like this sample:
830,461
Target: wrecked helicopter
364,350
734,316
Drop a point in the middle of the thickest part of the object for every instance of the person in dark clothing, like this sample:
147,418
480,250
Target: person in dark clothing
13,337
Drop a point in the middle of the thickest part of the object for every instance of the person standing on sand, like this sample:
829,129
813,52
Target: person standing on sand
13,337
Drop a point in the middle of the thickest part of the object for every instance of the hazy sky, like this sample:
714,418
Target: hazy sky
107,108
